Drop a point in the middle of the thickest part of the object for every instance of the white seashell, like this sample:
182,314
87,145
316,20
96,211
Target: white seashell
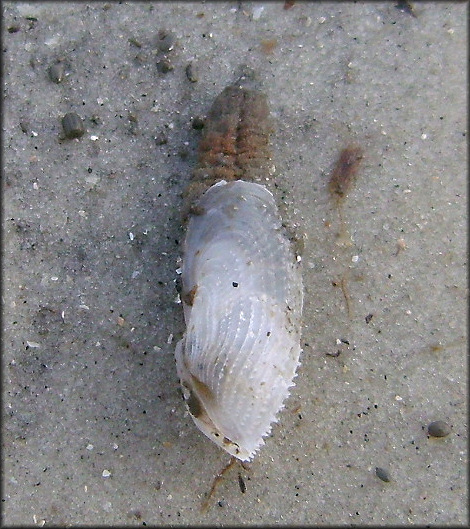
242,299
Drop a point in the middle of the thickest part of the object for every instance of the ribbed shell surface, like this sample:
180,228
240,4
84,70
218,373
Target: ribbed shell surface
242,295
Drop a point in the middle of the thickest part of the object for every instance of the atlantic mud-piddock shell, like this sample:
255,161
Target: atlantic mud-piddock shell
242,298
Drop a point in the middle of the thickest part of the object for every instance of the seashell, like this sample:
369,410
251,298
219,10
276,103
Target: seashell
242,299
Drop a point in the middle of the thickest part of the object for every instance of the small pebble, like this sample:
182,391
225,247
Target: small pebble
191,73
198,123
164,66
166,41
106,473
382,474
439,429
73,126
24,125
57,72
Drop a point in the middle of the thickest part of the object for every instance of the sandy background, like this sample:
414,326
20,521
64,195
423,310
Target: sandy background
94,427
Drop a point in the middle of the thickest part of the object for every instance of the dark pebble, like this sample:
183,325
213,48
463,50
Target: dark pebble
382,474
164,66
57,72
24,125
439,429
73,126
166,41
191,73
198,123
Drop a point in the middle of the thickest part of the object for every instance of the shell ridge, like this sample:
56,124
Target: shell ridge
257,365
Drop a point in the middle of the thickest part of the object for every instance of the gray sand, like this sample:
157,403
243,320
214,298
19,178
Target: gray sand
94,427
